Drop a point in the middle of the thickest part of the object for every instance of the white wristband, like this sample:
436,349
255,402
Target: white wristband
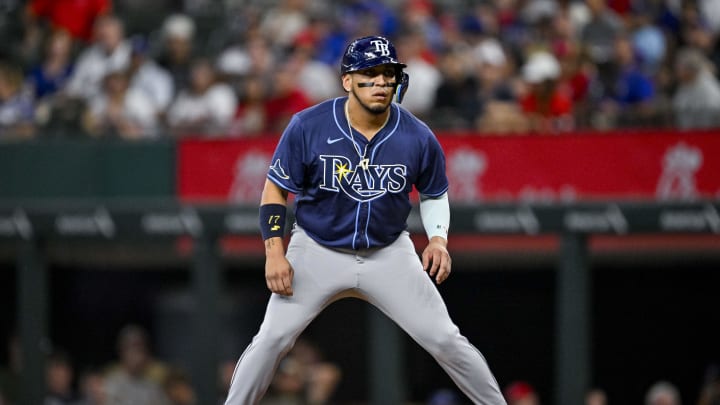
435,214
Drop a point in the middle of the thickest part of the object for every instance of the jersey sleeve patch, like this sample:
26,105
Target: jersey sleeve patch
277,169
287,168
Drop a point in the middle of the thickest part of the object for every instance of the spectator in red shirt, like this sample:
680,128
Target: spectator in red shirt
521,393
547,102
286,100
74,16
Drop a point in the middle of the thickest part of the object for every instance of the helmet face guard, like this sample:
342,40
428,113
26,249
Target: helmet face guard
367,52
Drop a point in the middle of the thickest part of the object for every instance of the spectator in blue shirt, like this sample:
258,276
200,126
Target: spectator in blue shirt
50,75
630,98
17,111
632,87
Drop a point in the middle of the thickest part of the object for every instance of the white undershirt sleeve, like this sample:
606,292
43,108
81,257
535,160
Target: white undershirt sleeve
435,215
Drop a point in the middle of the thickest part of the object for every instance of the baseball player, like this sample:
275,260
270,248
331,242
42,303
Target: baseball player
352,162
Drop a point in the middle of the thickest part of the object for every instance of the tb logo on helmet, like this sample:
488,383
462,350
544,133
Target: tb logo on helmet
381,46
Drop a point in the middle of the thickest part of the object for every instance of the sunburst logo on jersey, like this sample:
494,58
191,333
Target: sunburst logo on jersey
342,171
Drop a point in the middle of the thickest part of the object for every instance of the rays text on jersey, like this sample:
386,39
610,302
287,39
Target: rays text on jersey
339,175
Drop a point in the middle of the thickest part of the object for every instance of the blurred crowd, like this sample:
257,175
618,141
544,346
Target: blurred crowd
241,68
522,393
304,377
138,377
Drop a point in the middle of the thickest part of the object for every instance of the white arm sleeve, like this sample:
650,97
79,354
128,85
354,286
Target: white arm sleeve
435,214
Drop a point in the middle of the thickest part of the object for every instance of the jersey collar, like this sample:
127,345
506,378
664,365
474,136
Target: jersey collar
341,122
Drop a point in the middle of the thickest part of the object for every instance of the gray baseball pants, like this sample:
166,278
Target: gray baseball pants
391,279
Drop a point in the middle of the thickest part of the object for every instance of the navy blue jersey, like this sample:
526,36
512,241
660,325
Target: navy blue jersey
351,192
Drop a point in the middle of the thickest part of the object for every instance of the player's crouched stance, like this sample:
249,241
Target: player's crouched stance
352,162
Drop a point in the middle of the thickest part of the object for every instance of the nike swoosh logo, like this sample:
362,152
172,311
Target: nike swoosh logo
332,141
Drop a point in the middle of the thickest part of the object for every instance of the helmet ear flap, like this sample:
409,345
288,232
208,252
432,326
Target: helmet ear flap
403,83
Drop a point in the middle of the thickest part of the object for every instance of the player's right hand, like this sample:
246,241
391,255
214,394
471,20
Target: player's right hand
279,275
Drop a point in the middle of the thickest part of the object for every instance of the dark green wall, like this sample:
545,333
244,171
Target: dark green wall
87,168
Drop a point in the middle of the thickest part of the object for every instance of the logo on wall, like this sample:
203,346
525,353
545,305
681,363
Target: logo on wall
677,181
16,224
250,170
465,167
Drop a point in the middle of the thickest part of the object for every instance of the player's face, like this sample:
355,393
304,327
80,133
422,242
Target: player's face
374,87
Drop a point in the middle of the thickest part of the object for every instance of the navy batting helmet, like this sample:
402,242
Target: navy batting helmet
367,52
371,51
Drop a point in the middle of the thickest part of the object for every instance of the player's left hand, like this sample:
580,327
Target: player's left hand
436,259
